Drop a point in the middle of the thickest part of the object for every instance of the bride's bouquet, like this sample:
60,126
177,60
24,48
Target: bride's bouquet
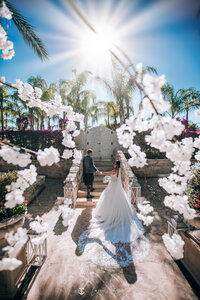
106,179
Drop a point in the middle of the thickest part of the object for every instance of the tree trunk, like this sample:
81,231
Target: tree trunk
2,120
85,123
6,120
64,115
127,109
49,123
187,113
121,113
108,116
42,122
31,118
115,122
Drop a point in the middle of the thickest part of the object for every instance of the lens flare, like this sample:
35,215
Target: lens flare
94,47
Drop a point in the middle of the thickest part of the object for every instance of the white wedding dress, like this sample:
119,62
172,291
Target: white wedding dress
115,235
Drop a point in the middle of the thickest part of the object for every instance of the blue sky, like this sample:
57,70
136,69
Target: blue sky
160,33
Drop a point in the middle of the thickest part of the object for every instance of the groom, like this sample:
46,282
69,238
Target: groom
88,172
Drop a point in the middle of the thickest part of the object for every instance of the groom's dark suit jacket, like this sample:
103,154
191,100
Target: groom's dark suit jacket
88,165
88,170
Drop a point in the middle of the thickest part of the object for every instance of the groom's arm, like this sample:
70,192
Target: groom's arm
94,167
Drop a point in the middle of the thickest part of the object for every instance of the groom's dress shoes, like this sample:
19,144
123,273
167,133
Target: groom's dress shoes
90,196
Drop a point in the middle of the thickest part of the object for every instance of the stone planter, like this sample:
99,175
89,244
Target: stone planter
9,279
10,224
196,221
191,259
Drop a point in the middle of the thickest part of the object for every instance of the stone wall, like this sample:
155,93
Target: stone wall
154,168
191,259
102,140
59,170
126,172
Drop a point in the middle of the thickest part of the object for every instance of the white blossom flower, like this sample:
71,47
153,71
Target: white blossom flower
152,86
71,126
39,240
174,245
197,143
39,226
28,175
67,214
16,241
12,156
77,156
138,158
13,198
180,204
67,140
197,113
67,153
76,133
147,220
9,264
5,12
48,157
197,156
126,139
139,68
2,80
145,209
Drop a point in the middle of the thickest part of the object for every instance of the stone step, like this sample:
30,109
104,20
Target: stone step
105,168
103,163
84,202
83,194
99,178
96,185
98,190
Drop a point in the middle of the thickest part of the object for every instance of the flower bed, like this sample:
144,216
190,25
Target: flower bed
5,180
194,190
35,139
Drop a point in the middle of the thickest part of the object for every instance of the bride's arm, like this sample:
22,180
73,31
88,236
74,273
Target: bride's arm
110,173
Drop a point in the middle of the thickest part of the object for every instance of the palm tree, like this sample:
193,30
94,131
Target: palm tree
122,88
64,88
3,98
110,110
89,108
190,100
173,98
27,31
78,94
39,82
48,94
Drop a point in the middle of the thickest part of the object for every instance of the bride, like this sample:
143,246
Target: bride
115,235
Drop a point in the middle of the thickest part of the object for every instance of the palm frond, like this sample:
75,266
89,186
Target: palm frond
28,32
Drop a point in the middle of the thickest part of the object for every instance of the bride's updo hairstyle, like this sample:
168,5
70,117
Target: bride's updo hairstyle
117,164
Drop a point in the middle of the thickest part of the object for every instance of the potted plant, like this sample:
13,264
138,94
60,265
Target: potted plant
193,192
10,220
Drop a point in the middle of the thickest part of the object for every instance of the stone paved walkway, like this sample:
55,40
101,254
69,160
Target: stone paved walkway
65,275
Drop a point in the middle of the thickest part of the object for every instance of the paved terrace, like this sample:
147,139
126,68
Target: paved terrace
64,274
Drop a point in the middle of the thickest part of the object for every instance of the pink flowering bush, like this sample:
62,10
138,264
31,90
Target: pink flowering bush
194,190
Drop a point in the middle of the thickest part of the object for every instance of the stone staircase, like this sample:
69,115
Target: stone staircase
99,186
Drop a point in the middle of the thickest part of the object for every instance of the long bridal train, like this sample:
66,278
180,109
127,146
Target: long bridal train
115,236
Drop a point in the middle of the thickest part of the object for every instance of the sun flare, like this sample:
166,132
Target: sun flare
94,47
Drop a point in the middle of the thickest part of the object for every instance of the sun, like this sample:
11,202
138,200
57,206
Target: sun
94,47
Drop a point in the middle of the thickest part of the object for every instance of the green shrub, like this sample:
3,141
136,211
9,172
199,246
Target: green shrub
7,179
194,190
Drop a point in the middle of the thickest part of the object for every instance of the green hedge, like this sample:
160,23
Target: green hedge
7,179
35,139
